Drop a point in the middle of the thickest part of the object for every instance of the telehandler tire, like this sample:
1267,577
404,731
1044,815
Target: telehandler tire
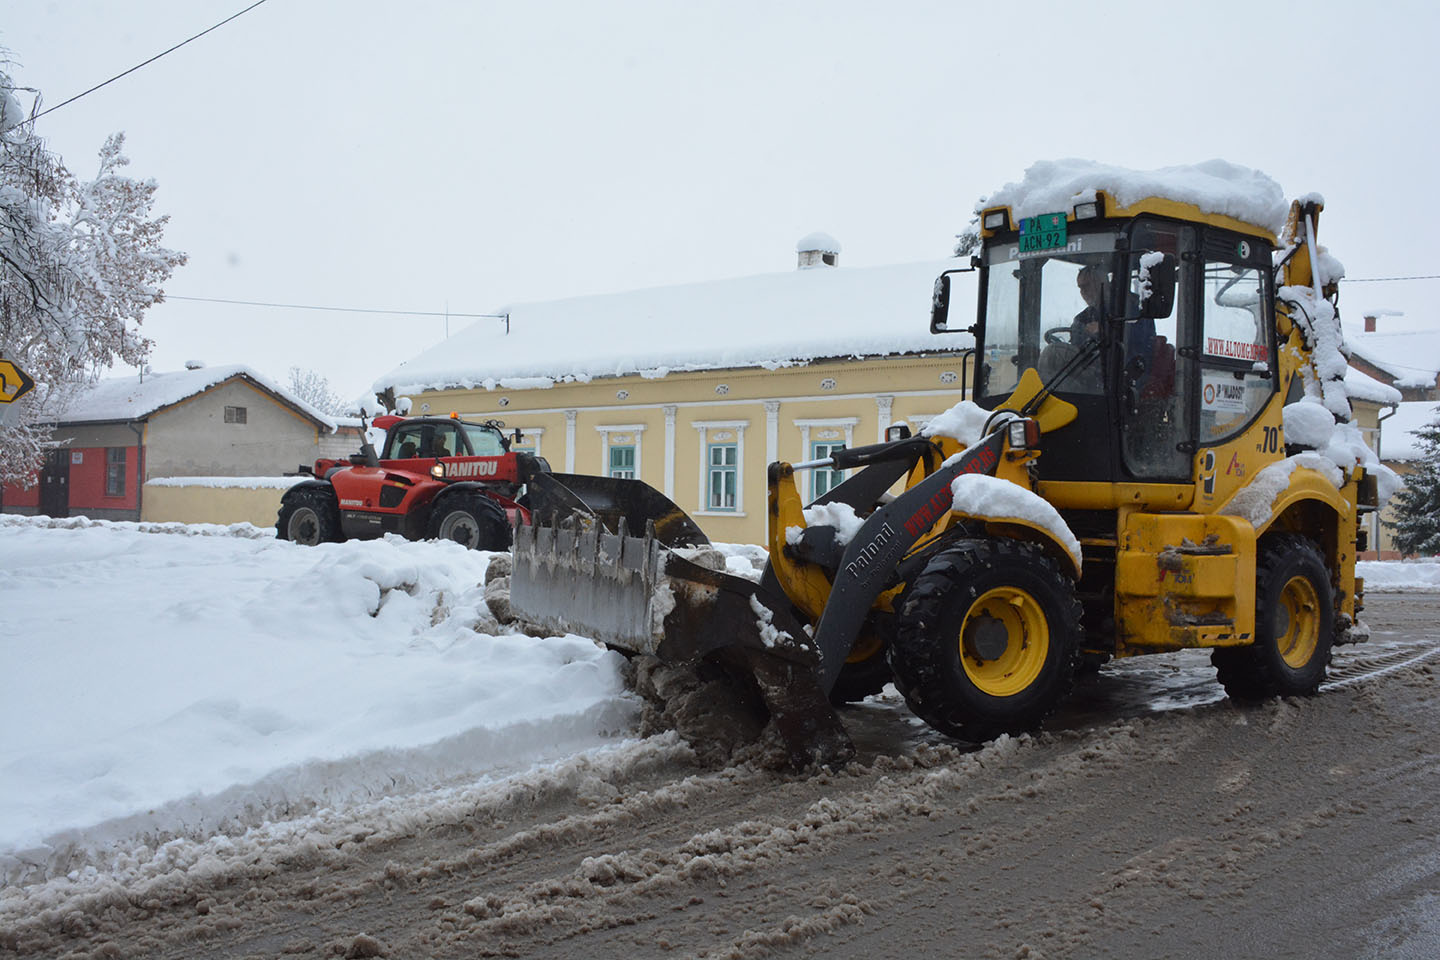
309,517
1294,625
987,639
474,521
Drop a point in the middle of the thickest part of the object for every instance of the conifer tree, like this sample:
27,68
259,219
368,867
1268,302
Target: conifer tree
1417,506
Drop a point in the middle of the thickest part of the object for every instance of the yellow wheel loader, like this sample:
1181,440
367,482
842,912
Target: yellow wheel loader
1122,483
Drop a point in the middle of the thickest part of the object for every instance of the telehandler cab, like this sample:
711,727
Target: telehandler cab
1123,483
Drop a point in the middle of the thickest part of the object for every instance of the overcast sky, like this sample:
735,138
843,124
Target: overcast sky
468,155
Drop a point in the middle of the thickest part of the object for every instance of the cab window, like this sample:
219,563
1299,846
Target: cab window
423,440
1236,378
1157,373
484,442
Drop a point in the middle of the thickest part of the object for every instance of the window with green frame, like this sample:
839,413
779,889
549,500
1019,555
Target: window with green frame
720,484
622,461
824,479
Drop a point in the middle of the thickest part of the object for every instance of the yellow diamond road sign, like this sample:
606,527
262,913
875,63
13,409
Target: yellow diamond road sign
14,383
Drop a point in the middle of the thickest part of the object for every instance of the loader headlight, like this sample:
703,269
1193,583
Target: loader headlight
998,219
1023,434
897,431
1088,210
438,471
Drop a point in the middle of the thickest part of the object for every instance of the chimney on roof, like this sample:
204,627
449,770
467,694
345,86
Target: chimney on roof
194,364
1369,324
817,250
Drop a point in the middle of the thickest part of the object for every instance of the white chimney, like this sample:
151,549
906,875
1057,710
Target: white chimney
817,250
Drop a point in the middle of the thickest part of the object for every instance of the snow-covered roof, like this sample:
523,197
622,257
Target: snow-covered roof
1411,356
1361,386
770,320
1398,437
1215,186
130,398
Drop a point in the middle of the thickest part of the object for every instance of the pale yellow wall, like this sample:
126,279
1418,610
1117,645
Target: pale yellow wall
198,504
1382,541
917,387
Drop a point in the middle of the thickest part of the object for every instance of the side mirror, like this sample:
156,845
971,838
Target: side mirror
940,305
1157,286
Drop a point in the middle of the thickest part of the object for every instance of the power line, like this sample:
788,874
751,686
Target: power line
147,62
1432,276
303,306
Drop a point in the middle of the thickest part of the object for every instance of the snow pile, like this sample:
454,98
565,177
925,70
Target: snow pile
241,483
991,498
162,687
962,422
743,559
1381,577
130,398
1309,424
841,516
1215,186
175,527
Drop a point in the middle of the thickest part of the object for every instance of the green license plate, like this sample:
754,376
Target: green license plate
1045,232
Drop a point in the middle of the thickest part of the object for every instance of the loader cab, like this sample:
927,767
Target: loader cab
1159,331
442,437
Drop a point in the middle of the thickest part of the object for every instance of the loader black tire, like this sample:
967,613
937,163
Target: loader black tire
309,516
987,639
1294,625
472,520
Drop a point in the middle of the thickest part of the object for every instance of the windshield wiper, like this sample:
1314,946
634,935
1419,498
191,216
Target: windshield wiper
1087,352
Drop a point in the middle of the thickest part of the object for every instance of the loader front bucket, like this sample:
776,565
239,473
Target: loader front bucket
579,569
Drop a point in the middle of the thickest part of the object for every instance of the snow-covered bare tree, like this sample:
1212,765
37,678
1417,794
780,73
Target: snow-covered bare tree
315,390
80,263
1417,507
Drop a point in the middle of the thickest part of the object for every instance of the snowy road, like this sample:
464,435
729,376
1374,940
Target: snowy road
1153,818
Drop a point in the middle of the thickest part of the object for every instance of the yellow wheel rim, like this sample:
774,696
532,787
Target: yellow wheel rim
866,646
1297,622
1004,641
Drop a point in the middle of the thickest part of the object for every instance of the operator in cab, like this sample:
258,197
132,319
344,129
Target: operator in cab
1085,328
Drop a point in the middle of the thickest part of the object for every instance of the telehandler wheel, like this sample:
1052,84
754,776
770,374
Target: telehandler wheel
309,517
1294,625
475,522
987,639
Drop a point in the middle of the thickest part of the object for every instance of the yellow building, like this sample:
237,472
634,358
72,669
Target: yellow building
696,388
